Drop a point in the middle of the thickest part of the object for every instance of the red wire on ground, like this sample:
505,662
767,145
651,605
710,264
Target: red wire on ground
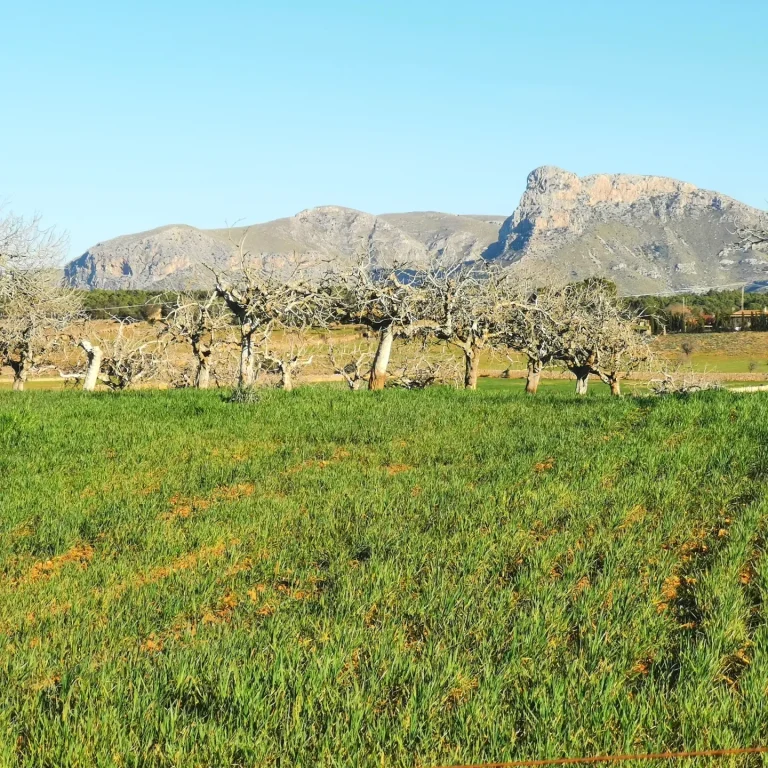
617,758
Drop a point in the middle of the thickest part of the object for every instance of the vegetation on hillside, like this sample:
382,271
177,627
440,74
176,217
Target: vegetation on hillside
325,578
693,312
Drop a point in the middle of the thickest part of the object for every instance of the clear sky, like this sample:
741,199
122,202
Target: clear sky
118,117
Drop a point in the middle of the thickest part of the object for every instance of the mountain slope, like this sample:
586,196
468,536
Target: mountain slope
647,233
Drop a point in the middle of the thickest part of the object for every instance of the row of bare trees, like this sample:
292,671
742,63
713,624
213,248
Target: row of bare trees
475,308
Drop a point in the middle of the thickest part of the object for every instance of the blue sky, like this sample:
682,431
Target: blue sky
121,117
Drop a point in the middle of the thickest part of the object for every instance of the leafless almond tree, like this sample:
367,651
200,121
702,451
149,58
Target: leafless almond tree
469,304
357,368
389,300
261,300
200,323
417,371
533,326
600,336
26,244
288,363
118,360
35,307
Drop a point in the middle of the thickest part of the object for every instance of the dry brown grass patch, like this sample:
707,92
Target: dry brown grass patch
80,554
338,455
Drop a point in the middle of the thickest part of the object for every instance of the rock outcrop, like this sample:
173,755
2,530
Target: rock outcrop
647,233
167,257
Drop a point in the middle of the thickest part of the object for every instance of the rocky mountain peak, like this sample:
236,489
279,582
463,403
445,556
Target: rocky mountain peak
644,232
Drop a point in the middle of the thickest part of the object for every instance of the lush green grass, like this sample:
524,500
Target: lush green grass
397,578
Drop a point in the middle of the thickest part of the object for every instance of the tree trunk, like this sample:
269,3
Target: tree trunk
94,365
20,373
534,374
203,374
202,352
582,380
378,376
615,387
286,381
471,367
247,372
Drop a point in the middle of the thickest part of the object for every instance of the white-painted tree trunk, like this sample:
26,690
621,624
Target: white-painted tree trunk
94,365
287,379
378,376
582,382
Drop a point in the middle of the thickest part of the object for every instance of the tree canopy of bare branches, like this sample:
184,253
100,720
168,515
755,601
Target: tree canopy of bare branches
468,307
201,324
599,335
34,305
389,300
355,368
262,299
118,360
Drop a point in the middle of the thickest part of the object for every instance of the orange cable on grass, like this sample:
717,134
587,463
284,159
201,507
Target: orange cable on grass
617,758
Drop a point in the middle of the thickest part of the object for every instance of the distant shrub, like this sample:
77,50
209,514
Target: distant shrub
687,383
752,366
688,348
244,395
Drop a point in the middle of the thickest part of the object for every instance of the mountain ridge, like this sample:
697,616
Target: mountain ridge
647,233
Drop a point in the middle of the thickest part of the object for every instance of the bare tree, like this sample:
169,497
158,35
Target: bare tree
622,350
356,369
286,364
118,361
26,244
684,382
200,324
532,325
467,306
35,307
417,371
599,336
389,300
262,299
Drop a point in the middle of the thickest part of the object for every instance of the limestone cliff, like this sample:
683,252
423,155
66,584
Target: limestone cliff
647,233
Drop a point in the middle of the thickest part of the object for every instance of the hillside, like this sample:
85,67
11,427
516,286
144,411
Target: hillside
647,233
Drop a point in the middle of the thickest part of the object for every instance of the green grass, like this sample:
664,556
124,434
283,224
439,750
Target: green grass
397,578
35,384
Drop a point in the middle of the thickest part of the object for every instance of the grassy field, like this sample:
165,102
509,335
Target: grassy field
745,352
397,578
